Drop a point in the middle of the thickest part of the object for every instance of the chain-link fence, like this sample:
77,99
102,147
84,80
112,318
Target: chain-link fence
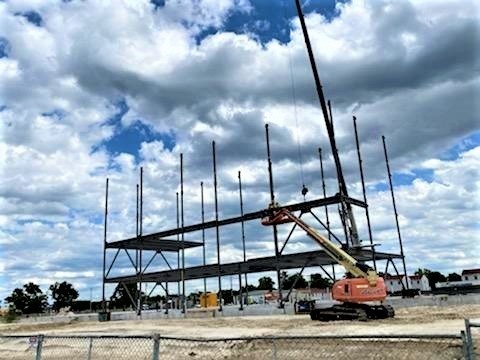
158,347
290,348
471,340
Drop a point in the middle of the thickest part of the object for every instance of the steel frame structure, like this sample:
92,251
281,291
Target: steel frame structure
158,242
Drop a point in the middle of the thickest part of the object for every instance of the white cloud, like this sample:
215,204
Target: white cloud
391,63
439,216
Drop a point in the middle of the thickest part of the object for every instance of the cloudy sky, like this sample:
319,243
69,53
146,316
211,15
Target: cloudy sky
90,90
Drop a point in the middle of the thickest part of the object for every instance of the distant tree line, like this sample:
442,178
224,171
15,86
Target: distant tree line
297,281
122,297
31,300
435,277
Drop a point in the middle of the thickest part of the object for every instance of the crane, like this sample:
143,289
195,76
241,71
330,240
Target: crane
356,292
347,216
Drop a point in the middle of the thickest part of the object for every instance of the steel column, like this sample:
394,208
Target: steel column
203,236
136,227
395,210
360,165
140,266
217,230
184,299
243,234
178,241
105,246
324,190
167,296
272,203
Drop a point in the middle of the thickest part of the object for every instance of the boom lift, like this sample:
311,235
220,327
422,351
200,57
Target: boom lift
362,285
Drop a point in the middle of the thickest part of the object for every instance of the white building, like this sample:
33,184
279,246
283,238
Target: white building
471,275
271,297
256,296
419,282
394,283
309,294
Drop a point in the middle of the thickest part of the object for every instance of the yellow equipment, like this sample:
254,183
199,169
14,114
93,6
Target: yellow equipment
208,300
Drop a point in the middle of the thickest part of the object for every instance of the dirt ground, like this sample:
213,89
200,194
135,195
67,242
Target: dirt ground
447,320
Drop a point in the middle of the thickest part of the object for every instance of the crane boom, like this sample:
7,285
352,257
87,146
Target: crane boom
356,269
357,291
349,218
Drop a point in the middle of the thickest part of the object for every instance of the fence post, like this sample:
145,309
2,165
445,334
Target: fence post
464,345
156,347
274,345
469,341
38,355
90,345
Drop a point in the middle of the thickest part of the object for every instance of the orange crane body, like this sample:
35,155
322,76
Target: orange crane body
358,290
361,286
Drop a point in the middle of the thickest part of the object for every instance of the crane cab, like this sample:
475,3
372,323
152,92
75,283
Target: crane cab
358,290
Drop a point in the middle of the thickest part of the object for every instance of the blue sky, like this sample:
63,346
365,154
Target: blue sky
264,21
146,83
128,138
32,17
269,22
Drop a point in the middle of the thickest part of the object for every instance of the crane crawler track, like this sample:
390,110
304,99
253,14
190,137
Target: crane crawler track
353,311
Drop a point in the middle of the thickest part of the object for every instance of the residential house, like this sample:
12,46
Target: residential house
471,275
394,283
419,282
309,294
256,296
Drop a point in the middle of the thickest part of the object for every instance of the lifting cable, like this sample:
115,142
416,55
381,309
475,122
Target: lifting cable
294,98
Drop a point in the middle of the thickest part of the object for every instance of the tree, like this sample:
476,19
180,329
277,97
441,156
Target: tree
435,277
319,282
64,295
295,280
29,300
454,277
156,299
265,283
17,299
421,272
432,276
250,287
37,301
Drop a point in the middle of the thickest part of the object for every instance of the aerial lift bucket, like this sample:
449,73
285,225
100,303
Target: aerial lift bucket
277,218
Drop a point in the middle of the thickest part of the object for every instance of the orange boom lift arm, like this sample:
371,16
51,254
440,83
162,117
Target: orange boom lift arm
362,284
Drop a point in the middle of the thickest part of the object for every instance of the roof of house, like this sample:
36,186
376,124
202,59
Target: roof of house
393,277
470,271
415,277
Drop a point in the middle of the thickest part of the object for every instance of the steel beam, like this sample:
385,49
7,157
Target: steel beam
303,206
